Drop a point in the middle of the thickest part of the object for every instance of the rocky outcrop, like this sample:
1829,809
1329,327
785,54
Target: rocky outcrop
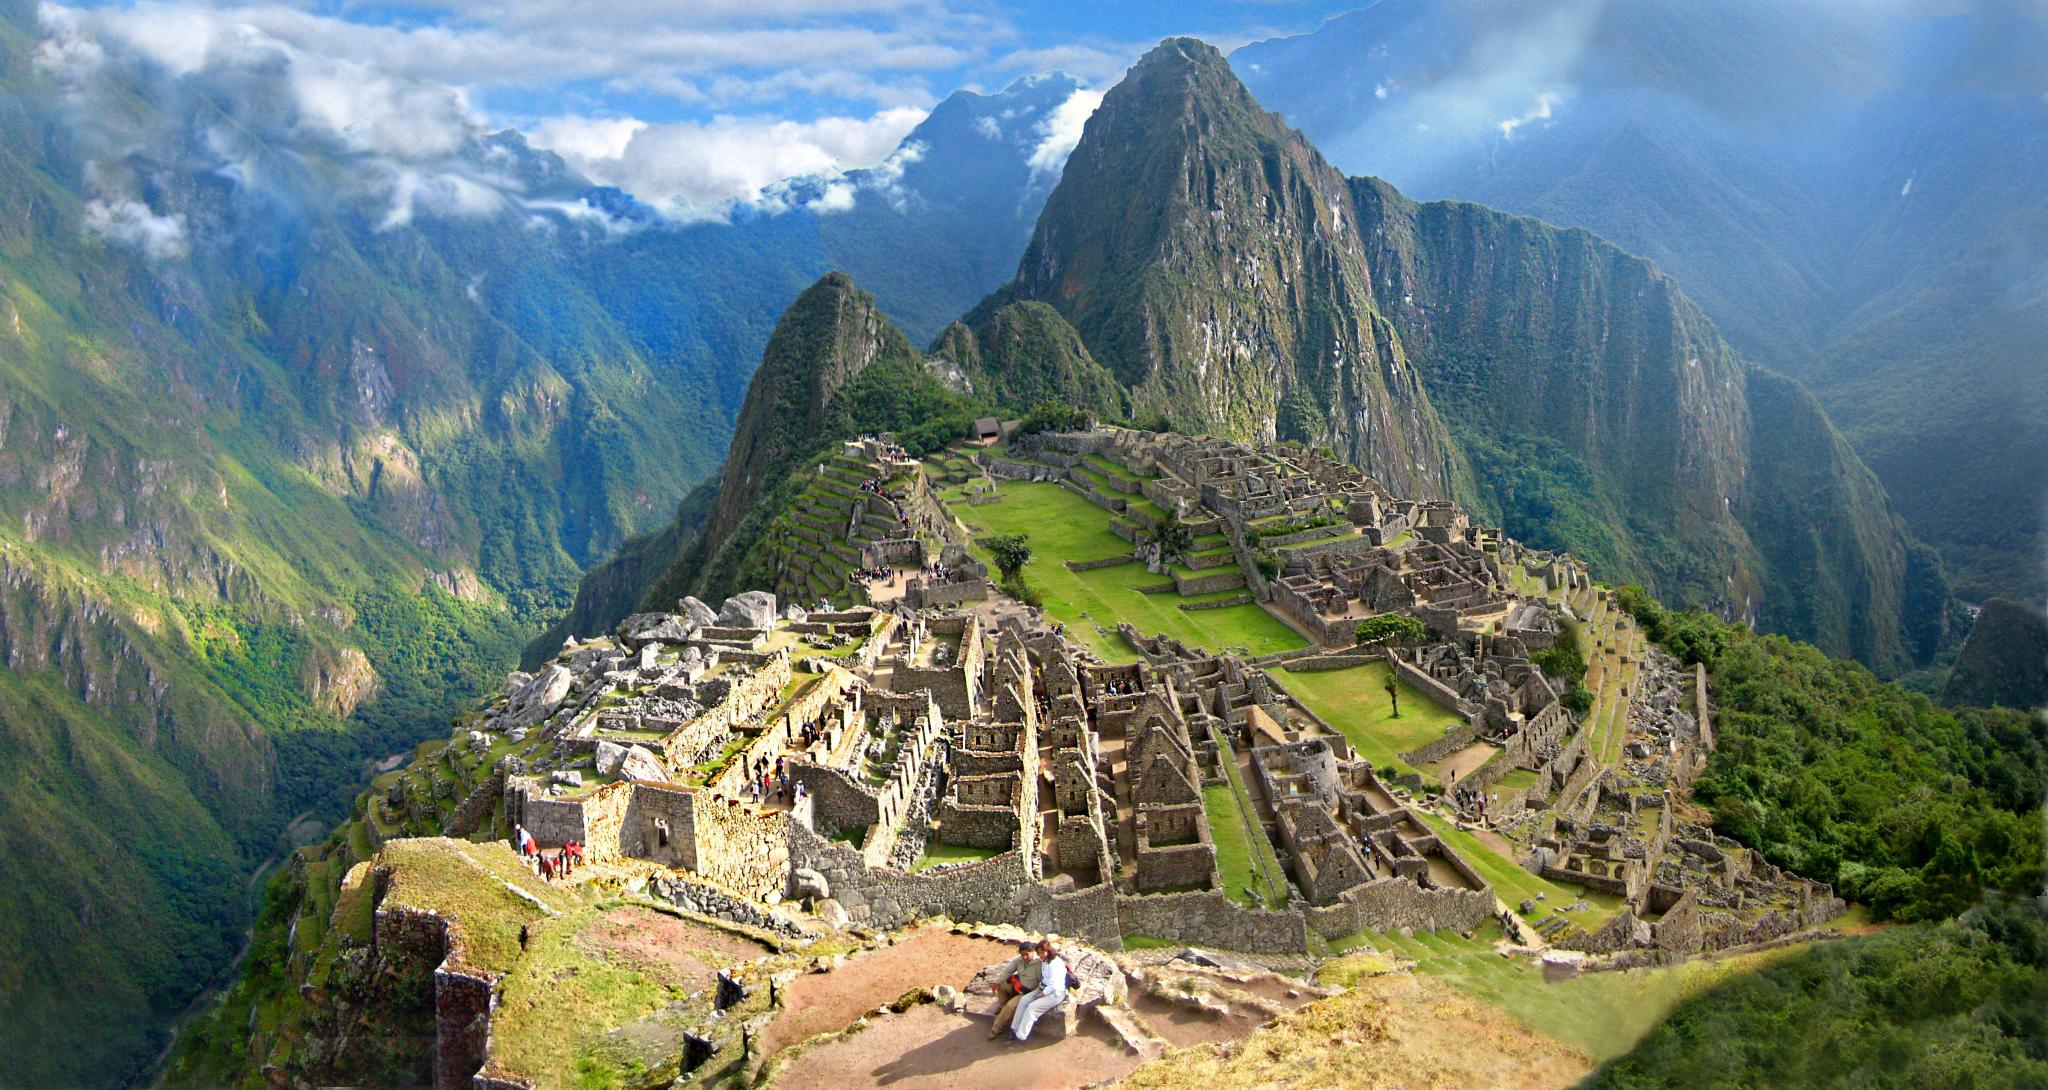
831,334
1232,279
338,679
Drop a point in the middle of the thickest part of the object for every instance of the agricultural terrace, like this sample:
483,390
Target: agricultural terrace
1065,527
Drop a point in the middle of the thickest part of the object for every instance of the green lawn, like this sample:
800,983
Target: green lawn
1354,701
938,855
1245,860
1236,866
1103,465
1062,527
1603,1013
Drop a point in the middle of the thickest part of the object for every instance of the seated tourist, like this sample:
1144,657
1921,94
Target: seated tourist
1050,993
1019,978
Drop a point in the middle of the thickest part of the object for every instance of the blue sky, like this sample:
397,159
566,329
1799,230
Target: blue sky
692,105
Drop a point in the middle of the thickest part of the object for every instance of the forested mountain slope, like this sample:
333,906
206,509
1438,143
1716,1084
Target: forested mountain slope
300,434
1853,193
1229,277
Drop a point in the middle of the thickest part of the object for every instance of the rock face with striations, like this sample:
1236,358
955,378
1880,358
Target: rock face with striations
1231,278
1211,260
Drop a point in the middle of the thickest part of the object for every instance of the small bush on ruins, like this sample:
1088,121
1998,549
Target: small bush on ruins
1010,553
1173,537
1391,629
1566,659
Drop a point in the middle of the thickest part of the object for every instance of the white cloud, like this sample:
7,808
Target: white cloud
1539,111
699,171
989,127
128,222
1061,130
585,139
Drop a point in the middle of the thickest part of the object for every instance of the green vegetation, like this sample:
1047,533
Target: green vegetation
1056,416
1354,702
1514,884
938,855
1603,1013
1065,527
1397,628
2004,662
1913,808
1957,1004
1010,552
1245,862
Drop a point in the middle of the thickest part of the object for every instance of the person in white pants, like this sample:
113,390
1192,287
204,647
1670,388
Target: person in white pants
1051,992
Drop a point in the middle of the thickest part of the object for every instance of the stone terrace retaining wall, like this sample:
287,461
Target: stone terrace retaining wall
1421,682
1452,741
1209,918
1387,904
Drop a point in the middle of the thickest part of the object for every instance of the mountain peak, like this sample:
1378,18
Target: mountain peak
1185,71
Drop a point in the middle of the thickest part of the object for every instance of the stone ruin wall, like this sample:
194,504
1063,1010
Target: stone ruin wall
838,803
1387,904
426,943
1000,888
742,849
1209,918
808,707
1419,679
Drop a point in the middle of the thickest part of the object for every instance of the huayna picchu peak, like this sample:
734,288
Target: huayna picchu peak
708,547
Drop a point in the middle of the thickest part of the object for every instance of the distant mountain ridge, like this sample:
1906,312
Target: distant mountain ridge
1854,193
287,469
1588,404
1199,259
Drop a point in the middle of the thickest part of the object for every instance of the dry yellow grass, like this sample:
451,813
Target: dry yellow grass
1399,1031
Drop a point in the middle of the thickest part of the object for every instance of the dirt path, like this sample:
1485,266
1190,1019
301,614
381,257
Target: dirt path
1396,1032
823,1002
925,1048
678,952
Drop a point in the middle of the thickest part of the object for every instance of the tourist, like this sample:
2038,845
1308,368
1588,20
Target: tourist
1020,976
1050,993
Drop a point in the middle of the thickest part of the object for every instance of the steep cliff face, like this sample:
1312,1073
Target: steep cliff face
1550,347
1209,257
1025,353
1229,277
1603,413
825,340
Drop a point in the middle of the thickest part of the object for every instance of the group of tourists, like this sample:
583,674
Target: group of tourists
774,784
1472,799
1031,986
561,863
871,575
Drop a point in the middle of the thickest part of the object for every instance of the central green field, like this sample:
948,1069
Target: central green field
1063,526
1354,701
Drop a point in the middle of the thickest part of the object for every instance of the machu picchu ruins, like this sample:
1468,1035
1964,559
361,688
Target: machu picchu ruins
886,736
